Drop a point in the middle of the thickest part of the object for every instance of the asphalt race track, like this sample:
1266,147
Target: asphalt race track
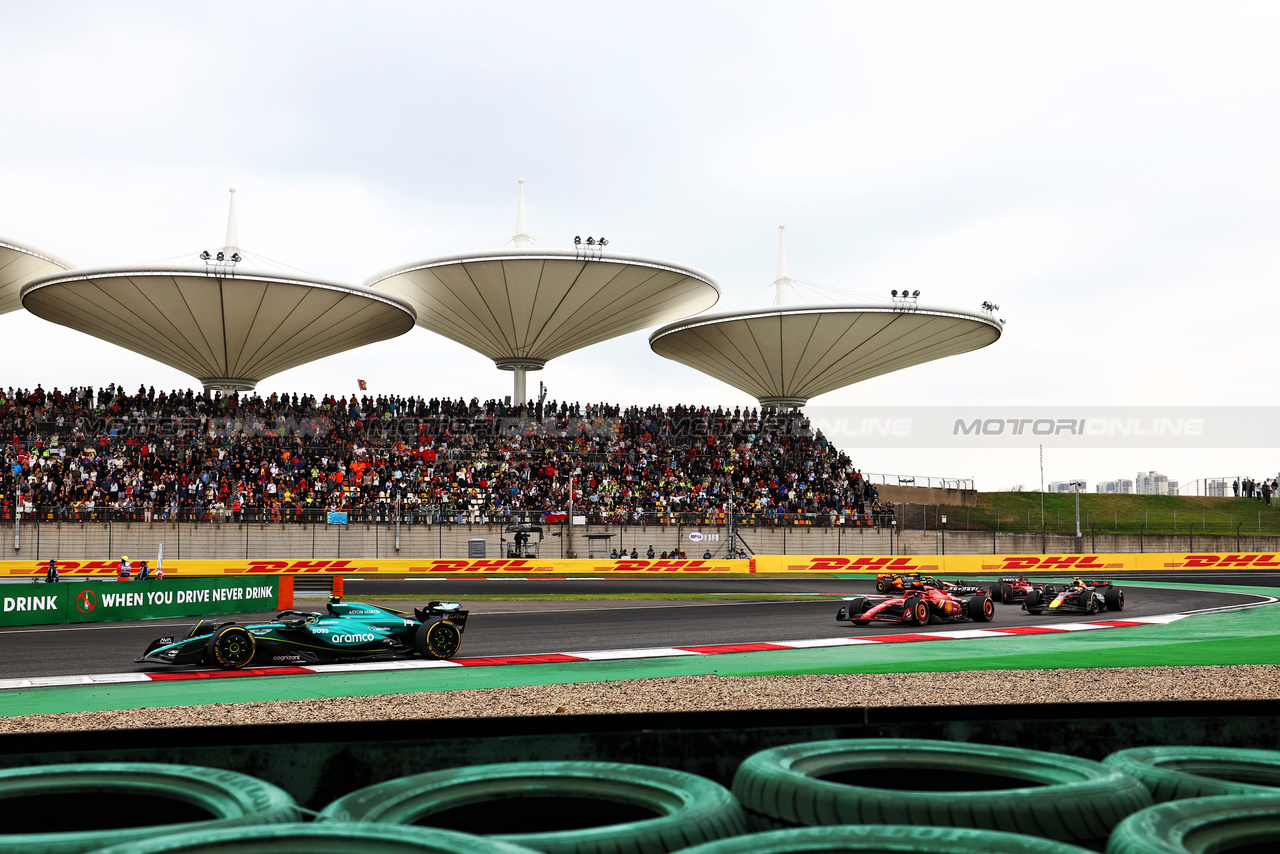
453,587
498,628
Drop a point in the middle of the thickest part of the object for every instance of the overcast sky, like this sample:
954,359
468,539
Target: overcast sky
1107,172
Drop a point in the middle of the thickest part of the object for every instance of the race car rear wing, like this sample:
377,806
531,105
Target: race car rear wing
442,611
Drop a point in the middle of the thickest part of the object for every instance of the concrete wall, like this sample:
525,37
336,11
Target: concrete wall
927,495
237,541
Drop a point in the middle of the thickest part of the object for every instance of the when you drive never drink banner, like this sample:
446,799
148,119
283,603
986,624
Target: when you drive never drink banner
98,601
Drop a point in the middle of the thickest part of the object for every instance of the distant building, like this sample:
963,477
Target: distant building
1154,483
1217,487
1123,486
1065,486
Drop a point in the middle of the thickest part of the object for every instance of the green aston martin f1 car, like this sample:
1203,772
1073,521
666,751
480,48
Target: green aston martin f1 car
350,631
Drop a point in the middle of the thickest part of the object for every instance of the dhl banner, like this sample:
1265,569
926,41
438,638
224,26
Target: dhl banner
957,566
954,566
391,567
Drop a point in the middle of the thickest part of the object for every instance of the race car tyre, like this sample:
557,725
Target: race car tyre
980,609
873,839
880,588
995,593
1114,598
440,639
556,807
1235,823
1090,602
1032,603
922,782
854,608
230,647
1006,594
330,837
915,612
857,608
84,806
1172,773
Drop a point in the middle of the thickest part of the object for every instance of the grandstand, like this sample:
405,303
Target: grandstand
226,455
110,454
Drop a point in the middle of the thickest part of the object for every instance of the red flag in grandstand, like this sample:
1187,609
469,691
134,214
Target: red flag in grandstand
554,516
364,386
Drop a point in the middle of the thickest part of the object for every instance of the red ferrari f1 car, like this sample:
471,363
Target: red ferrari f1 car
918,605
1010,591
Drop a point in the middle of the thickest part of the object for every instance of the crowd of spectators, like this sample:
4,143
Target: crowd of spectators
198,456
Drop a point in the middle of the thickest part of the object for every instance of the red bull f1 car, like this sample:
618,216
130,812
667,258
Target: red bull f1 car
350,631
918,605
1078,597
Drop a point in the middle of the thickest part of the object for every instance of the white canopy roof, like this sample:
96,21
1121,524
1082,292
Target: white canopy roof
228,328
526,305
18,265
786,355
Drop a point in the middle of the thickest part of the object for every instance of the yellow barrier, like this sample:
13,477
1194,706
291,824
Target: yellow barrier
956,566
953,566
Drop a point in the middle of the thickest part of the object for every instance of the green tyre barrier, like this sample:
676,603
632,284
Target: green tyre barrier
557,807
66,809
330,837
1244,824
941,783
882,839
1172,773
